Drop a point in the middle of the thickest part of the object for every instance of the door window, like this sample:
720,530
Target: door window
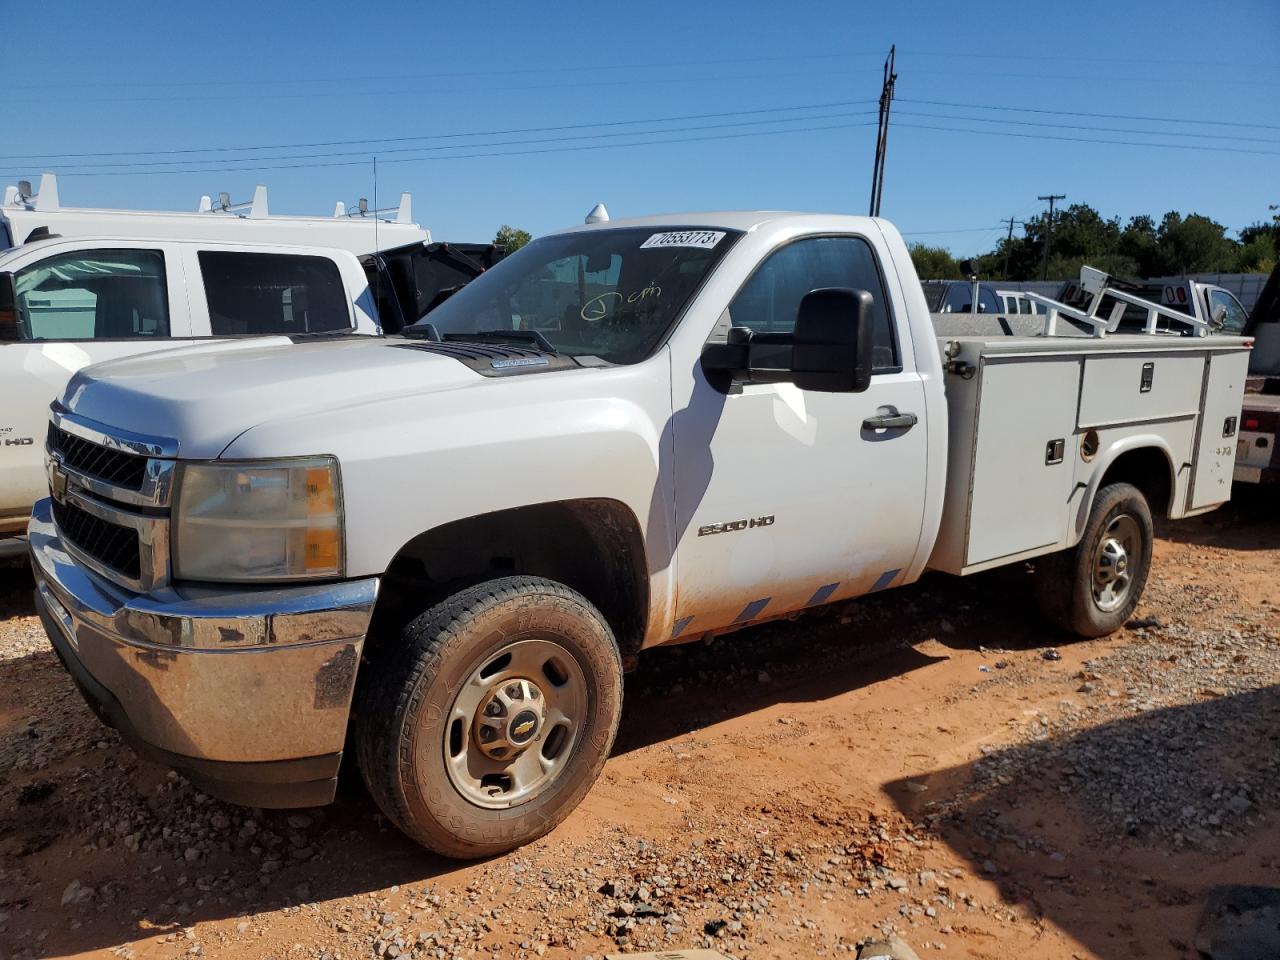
770,300
269,293
1235,319
93,295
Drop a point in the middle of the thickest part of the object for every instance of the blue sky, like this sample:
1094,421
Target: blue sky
94,78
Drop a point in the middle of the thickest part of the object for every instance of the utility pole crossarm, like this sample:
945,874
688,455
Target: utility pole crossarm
882,132
1008,247
1048,243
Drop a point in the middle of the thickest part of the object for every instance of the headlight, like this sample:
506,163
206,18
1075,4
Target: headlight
263,520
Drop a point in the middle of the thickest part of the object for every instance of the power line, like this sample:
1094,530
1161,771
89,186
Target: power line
1080,126
380,78
114,81
469,89
921,233
439,136
470,146
1097,116
1119,143
475,156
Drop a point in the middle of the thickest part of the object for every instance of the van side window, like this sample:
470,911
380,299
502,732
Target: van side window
769,300
93,295
270,293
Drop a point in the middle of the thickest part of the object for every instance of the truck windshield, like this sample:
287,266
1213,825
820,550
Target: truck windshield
611,293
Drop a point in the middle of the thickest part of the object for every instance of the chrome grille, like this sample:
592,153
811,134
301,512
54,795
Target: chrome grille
111,492
111,545
102,463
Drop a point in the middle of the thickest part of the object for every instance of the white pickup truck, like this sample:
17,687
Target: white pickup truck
447,546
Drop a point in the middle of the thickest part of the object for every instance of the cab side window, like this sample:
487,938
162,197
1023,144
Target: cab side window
769,300
93,295
269,293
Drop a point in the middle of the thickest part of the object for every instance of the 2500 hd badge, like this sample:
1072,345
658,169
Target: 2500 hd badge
733,526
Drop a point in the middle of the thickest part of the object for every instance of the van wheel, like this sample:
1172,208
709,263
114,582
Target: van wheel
491,720
1092,589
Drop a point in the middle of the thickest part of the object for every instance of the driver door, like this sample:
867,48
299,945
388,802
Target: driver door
784,499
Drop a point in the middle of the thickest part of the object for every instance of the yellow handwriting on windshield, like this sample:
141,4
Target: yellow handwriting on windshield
650,291
597,308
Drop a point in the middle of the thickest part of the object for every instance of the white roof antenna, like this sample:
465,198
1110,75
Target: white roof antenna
339,209
404,213
598,214
258,210
205,205
47,198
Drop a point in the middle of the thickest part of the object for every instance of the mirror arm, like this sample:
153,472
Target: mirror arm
9,329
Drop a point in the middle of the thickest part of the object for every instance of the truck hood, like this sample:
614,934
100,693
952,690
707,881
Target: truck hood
205,397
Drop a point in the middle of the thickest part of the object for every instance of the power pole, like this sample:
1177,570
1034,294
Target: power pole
882,134
1007,245
1048,244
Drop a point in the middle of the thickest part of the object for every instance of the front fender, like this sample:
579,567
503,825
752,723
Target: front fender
413,464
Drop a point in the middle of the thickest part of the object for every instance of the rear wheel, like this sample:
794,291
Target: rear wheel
1092,590
494,717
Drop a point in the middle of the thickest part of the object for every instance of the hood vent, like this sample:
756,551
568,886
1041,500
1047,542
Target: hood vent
493,359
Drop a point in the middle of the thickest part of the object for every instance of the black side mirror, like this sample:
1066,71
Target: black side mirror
9,329
829,351
831,346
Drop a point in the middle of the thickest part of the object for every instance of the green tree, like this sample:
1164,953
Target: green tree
1259,247
1259,255
1141,248
1194,244
934,263
511,238
1139,243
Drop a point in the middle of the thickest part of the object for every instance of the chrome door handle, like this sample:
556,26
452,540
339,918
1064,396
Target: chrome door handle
890,421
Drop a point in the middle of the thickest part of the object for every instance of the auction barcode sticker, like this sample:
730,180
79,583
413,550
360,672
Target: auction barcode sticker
703,239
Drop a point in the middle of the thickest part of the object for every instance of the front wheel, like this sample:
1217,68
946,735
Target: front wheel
492,718
1092,590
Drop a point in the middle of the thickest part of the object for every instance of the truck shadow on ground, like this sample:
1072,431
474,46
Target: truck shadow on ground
16,586
73,794
76,793
1249,521
1117,833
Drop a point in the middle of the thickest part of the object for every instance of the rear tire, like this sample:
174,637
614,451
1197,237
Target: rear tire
489,722
1092,589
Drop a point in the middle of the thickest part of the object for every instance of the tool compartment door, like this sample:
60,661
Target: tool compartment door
1219,428
1020,485
1132,389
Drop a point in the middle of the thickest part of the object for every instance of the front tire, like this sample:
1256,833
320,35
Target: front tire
1093,589
489,722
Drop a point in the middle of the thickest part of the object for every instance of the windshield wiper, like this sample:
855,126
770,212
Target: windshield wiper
526,336
422,330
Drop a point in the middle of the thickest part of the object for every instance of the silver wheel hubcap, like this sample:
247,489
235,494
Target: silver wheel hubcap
514,723
1119,554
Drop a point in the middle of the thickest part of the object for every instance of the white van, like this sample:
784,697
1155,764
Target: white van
26,215
67,303
82,285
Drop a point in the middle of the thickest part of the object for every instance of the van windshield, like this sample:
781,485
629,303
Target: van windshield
611,293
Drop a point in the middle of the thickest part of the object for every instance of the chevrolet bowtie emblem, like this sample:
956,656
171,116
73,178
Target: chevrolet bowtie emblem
521,729
57,483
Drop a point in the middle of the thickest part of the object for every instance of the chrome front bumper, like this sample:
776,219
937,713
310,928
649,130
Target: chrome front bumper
247,691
